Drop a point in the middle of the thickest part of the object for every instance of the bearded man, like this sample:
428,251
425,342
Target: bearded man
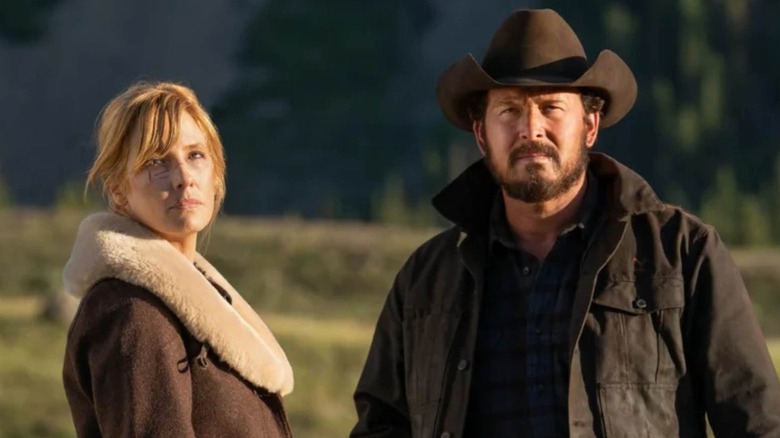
568,300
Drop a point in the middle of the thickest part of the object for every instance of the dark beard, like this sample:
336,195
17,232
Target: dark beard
536,189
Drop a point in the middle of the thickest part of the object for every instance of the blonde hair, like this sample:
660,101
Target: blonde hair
146,116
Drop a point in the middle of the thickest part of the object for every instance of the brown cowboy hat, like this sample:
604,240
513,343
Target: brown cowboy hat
536,48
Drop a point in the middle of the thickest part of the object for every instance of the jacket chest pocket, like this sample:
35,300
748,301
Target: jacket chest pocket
634,329
428,336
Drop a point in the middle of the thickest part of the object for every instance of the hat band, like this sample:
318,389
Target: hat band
559,71
535,80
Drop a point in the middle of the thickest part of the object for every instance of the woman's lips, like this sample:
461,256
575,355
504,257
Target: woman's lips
188,204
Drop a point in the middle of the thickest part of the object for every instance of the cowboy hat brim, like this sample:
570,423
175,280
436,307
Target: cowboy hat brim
608,75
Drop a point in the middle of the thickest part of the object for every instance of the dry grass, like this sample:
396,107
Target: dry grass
774,350
327,354
318,285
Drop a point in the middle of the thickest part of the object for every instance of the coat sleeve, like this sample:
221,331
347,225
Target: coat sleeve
380,397
739,383
130,363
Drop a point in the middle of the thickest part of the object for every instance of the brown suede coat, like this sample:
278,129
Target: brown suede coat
156,349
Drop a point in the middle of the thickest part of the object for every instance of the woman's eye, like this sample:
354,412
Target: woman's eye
197,154
154,162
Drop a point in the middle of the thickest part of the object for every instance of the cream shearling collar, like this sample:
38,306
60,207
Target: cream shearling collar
112,246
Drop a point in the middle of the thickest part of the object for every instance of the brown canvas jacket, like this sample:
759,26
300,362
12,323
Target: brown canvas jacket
662,327
156,350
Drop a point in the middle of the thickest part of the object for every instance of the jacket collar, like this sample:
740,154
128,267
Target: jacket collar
467,200
112,246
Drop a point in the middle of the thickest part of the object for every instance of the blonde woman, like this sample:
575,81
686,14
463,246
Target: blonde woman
162,345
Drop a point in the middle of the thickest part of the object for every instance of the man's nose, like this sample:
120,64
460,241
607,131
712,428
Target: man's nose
531,126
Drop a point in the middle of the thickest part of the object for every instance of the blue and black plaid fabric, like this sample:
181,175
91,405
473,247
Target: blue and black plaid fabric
520,375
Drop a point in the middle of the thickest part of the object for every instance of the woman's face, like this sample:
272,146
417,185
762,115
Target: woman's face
174,194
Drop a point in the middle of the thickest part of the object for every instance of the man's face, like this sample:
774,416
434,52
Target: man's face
536,141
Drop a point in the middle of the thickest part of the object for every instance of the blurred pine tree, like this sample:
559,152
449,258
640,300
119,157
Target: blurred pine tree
24,21
708,102
312,107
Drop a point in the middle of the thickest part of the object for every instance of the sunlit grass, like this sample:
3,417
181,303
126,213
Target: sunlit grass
319,286
774,350
327,354
33,401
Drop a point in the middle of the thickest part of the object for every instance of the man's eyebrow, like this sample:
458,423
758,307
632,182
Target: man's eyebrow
510,100
513,100
549,99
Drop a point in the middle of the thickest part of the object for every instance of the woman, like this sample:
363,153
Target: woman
162,345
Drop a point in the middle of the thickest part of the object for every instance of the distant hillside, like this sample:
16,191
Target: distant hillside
52,90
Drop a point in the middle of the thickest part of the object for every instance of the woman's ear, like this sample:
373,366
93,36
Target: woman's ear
118,198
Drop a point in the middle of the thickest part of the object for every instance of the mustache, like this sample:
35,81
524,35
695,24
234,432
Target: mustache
534,147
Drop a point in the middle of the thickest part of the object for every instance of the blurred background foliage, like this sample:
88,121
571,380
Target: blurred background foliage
319,285
702,130
311,123
331,116
321,121
24,21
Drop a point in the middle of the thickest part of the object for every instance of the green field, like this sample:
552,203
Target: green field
327,354
319,286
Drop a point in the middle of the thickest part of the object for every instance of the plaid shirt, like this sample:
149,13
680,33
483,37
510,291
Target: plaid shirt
521,370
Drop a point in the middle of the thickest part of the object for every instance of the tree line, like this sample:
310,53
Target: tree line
314,126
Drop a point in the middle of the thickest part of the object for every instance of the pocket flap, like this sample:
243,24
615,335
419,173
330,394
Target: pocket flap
641,297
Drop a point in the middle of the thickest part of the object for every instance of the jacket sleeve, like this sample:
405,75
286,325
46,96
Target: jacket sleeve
739,383
131,364
380,397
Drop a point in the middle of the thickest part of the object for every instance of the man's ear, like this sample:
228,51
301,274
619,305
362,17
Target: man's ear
478,127
592,122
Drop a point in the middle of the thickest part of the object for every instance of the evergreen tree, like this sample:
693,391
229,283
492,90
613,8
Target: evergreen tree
314,105
708,97
24,21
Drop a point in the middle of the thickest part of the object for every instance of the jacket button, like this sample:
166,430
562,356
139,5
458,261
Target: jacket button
640,303
446,435
463,365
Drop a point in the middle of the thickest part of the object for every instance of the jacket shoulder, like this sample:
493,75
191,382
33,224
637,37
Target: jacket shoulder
112,302
431,270
438,249
683,221
442,243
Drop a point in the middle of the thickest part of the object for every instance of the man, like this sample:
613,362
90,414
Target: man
568,300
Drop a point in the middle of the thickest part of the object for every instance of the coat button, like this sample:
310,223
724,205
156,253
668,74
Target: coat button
640,303
446,435
526,270
463,365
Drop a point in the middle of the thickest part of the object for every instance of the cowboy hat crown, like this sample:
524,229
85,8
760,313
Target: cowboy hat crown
536,48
